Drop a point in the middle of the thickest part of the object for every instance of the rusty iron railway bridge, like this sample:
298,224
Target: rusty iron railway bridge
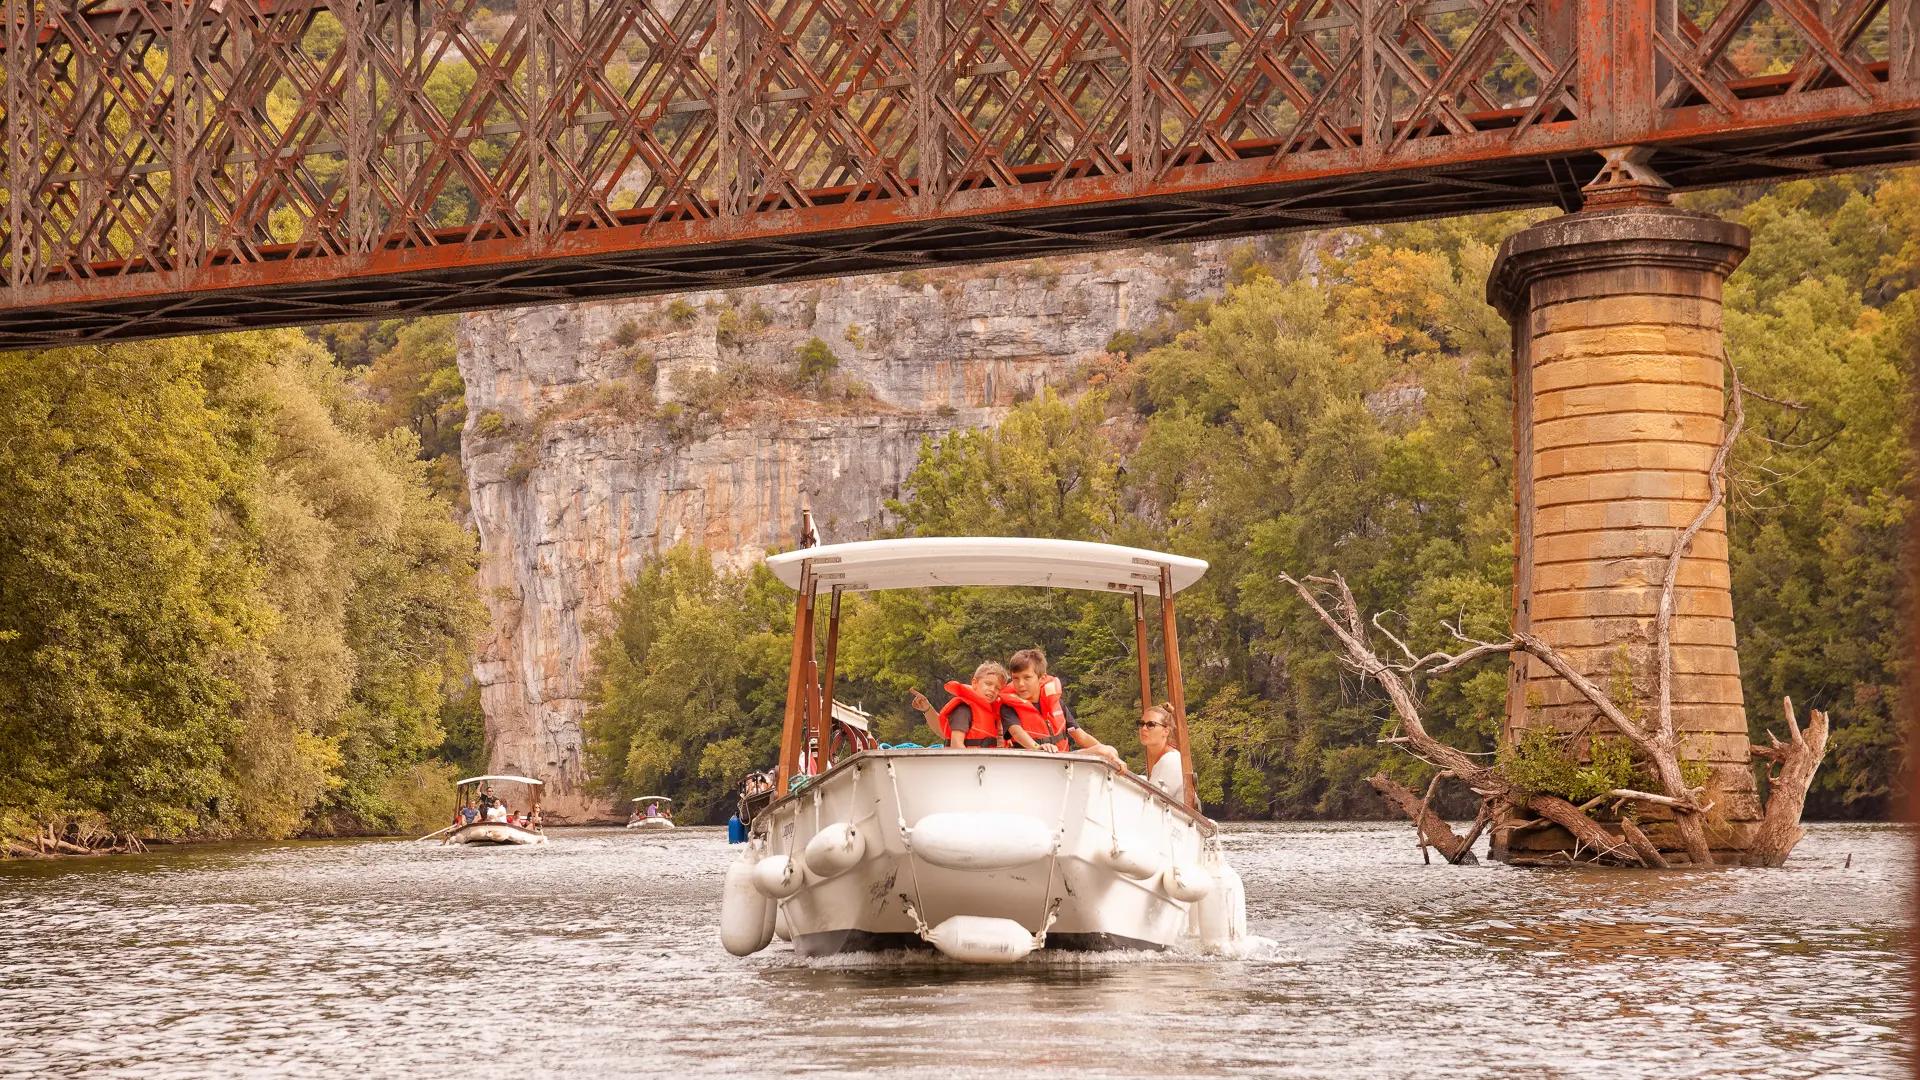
179,166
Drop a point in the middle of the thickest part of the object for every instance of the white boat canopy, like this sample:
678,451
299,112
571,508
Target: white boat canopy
509,779
928,561
652,798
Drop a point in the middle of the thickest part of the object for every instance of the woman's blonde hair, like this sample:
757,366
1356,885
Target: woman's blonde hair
1166,714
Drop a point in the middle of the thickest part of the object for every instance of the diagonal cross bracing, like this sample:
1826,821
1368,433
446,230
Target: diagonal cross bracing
174,166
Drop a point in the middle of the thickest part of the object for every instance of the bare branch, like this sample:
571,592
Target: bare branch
1663,622
1414,660
1475,653
1628,794
1782,402
1549,655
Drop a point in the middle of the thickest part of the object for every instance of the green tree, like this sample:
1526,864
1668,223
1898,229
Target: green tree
121,584
690,682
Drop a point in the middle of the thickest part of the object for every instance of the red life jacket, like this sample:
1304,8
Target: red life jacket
1044,723
985,728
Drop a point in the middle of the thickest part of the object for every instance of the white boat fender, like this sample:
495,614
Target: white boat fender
1186,881
977,939
835,850
1133,862
778,876
980,840
1223,913
746,916
781,928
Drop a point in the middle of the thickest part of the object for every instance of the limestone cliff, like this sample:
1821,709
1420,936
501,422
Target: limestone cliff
602,433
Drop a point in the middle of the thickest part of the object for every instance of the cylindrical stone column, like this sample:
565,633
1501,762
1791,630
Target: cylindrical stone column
1619,395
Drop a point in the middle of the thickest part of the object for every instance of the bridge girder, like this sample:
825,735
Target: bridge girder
179,166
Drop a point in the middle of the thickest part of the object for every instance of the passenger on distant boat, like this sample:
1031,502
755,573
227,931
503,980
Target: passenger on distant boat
972,716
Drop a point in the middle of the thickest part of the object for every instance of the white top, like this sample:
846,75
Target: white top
497,812
1166,775
512,779
924,561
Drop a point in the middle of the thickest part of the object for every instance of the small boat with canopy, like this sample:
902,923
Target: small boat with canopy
984,854
649,814
498,822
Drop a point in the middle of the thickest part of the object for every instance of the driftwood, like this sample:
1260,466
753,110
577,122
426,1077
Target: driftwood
1649,854
1432,829
1796,761
68,837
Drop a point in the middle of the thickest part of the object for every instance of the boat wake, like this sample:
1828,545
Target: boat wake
1252,948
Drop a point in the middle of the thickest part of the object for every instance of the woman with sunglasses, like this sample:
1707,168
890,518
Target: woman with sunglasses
1164,767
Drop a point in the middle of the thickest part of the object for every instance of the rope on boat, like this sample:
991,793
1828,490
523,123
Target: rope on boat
1049,907
913,864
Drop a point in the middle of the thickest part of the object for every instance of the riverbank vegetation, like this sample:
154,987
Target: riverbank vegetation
231,601
1345,408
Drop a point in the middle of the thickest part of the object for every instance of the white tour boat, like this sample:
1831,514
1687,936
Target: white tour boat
496,830
652,816
985,854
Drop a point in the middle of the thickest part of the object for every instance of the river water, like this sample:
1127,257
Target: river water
597,955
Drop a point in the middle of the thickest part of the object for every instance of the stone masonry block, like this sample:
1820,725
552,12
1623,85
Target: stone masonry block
1627,573
1618,310
1632,281
1659,339
1621,514
1636,484
1628,397
1694,690
1584,629
1624,544
1633,427
1658,369
1609,603
1623,457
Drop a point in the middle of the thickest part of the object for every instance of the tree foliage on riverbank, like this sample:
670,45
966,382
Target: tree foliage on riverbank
1347,408
227,605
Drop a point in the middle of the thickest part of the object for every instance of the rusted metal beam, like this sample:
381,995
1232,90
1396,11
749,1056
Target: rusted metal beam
185,165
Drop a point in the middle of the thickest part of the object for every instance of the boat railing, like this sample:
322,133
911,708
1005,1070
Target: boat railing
1206,825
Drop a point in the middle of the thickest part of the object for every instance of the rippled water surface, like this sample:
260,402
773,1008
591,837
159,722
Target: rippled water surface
597,955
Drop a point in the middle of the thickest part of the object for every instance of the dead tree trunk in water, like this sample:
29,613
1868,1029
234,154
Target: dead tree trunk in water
1797,759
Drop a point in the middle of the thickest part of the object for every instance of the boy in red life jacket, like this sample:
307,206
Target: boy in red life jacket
972,717
1037,717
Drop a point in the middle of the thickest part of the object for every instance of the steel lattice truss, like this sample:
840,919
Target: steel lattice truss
183,165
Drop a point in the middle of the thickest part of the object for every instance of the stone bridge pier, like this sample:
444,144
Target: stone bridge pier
1619,392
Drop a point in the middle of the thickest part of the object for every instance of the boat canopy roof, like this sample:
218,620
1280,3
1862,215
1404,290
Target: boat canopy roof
509,779
652,798
926,561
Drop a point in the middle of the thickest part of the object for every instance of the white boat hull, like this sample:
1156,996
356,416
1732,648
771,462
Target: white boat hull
494,832
651,824
1059,815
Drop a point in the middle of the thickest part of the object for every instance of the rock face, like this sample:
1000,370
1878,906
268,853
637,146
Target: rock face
601,434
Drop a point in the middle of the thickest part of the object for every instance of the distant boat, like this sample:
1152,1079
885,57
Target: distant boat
652,816
496,830
986,854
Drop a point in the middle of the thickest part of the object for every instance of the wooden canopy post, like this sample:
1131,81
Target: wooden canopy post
1141,649
1176,689
820,752
790,728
